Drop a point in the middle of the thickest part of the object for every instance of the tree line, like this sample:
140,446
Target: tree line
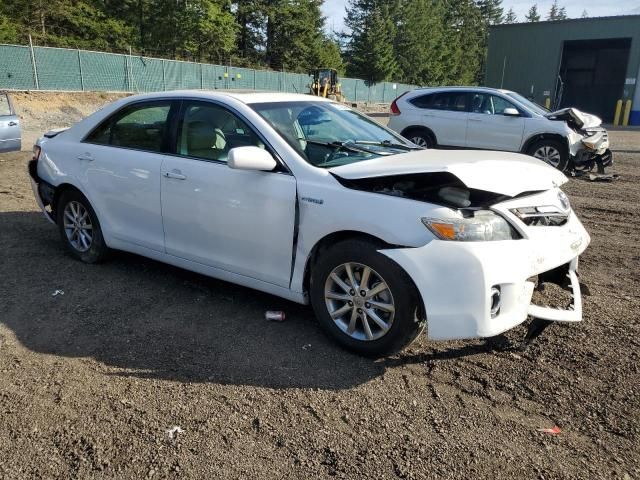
424,42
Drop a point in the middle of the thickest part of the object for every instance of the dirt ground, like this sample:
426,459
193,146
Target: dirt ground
92,380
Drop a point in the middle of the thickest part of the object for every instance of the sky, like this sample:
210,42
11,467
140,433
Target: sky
334,9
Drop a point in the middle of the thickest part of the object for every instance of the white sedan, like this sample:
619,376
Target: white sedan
304,198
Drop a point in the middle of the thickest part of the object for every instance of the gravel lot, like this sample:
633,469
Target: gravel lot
90,381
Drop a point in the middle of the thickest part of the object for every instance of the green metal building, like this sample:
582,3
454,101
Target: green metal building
585,63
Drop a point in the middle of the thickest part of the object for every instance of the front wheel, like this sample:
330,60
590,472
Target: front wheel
364,300
552,152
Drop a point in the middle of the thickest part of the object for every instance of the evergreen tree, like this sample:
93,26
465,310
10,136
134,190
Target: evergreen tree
511,17
370,43
533,15
491,11
465,35
585,14
562,14
420,42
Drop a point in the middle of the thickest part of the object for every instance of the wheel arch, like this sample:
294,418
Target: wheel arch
420,128
544,136
335,237
59,190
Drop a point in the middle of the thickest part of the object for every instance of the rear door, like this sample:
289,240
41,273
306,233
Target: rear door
10,133
445,113
119,165
488,127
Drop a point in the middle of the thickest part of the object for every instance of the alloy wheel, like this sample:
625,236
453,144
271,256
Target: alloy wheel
549,154
420,141
359,301
77,226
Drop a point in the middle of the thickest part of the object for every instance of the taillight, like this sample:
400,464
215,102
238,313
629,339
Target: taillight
36,153
394,108
394,105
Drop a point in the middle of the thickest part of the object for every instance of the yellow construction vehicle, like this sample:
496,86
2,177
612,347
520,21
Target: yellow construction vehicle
325,84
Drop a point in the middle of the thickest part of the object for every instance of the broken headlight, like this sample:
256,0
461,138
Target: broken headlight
476,226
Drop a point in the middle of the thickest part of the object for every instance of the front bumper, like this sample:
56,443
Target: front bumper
455,280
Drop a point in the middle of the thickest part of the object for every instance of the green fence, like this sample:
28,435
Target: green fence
45,68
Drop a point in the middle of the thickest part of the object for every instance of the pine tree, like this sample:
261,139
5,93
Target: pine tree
370,45
554,11
562,14
465,38
511,16
491,11
585,14
533,15
420,44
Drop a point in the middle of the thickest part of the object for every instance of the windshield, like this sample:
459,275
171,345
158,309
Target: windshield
328,134
540,110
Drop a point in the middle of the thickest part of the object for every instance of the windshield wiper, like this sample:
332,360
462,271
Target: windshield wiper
387,143
339,145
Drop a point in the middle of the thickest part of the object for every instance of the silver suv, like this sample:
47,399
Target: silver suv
492,119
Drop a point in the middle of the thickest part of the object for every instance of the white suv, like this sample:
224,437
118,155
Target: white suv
491,119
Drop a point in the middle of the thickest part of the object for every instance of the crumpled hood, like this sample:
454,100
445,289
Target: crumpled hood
581,119
499,172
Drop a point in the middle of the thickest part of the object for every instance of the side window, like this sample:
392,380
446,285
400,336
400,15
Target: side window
500,104
423,101
452,101
5,107
141,127
209,131
481,103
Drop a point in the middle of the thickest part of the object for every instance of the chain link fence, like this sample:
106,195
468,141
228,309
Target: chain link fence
47,68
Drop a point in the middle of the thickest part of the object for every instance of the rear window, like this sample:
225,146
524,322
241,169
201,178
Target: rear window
423,101
140,127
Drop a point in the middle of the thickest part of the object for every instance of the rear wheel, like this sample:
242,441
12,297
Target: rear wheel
79,228
364,300
552,152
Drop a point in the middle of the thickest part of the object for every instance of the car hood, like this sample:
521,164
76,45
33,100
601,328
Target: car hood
581,119
499,172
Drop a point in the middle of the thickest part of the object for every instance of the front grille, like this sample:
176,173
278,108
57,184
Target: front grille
544,216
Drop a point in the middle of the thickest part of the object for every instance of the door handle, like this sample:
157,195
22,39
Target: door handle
13,124
176,175
475,119
86,157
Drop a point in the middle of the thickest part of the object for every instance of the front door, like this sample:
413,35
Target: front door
240,221
488,128
10,134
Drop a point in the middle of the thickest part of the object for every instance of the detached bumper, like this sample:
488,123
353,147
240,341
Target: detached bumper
457,279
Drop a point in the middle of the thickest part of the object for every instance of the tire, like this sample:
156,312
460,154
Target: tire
550,151
420,137
403,324
82,239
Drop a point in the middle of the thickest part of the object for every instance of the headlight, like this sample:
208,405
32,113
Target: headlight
480,226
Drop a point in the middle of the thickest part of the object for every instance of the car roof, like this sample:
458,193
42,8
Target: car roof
245,96
458,87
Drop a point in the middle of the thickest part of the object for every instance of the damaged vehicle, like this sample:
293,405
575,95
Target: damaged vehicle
306,199
10,131
493,119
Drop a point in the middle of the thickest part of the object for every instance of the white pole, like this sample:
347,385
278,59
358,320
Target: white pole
33,63
504,65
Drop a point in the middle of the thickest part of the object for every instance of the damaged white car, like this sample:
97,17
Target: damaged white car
309,200
493,119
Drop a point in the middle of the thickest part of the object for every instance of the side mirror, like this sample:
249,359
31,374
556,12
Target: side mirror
250,158
510,112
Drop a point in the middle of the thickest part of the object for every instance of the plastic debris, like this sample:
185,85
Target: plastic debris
603,177
306,346
174,431
274,316
552,431
57,292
